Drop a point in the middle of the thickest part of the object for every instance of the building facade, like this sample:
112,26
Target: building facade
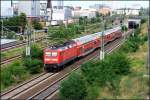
31,8
6,9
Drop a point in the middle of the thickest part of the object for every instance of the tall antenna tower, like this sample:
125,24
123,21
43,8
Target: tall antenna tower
60,4
11,3
49,9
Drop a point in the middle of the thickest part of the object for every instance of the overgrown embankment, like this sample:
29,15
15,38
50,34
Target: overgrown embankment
119,76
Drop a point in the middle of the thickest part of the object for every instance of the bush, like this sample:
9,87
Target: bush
119,62
12,74
93,92
133,42
36,52
130,46
93,20
89,72
63,32
124,28
6,78
143,21
107,72
73,88
36,25
33,65
81,28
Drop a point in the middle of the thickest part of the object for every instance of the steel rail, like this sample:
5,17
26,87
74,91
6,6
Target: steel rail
19,44
53,87
26,85
79,65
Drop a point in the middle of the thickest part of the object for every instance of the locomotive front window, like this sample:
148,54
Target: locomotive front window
48,53
54,54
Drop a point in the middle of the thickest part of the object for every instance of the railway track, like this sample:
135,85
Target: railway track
50,91
24,86
19,44
8,60
46,87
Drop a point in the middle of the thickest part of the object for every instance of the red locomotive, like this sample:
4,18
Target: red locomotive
57,56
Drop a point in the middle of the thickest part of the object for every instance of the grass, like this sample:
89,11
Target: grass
16,73
13,74
134,85
12,52
19,50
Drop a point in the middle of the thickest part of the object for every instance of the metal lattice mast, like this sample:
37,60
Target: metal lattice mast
148,47
102,51
49,6
2,33
28,40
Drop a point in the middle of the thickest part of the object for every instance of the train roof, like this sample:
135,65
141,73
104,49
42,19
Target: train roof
62,46
91,37
6,41
83,39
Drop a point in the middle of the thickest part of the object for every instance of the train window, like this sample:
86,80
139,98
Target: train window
54,54
94,42
48,53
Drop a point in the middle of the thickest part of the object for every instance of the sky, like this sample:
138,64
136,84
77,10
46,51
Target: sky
86,4
112,4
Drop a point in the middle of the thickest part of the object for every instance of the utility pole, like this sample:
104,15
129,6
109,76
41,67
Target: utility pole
2,28
49,8
28,39
102,51
34,35
133,29
148,57
148,65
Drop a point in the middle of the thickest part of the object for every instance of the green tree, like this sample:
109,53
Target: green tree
93,20
33,65
107,72
63,32
36,25
143,20
11,23
124,28
81,20
97,14
74,88
36,52
120,63
10,35
22,21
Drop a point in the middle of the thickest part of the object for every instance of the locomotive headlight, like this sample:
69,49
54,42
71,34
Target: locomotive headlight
47,59
54,59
